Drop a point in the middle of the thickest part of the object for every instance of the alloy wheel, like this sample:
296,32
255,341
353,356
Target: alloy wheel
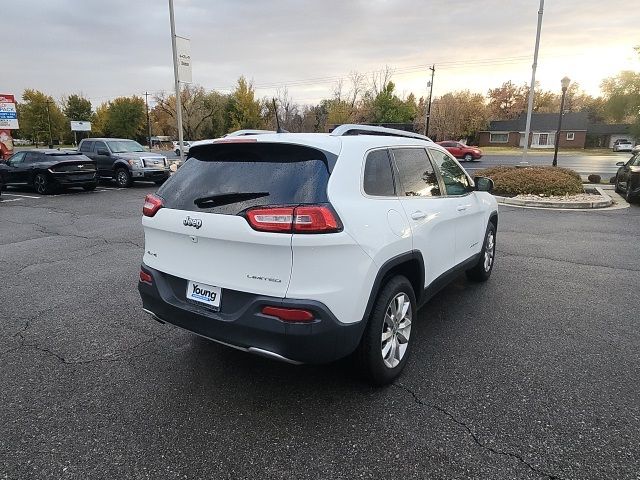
489,252
40,183
396,330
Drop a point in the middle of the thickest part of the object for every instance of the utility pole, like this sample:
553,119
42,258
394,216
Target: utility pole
533,81
49,121
426,123
176,80
146,102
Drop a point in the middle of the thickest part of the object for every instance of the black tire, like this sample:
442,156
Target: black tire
468,157
123,178
177,152
627,194
369,353
89,188
41,184
481,271
617,186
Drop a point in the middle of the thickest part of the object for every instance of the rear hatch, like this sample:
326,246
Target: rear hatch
202,232
75,167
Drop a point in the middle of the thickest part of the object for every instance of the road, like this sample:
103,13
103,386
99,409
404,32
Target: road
603,165
532,375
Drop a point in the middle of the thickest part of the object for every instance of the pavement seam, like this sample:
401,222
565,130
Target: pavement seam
473,436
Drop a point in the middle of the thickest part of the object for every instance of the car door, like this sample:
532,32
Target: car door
103,158
431,214
623,173
459,188
16,172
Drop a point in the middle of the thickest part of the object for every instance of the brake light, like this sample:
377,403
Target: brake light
289,314
146,278
151,205
303,219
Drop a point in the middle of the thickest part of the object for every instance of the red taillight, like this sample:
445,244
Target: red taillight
151,205
289,314
145,277
304,219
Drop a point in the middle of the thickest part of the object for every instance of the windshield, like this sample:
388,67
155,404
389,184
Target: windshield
125,146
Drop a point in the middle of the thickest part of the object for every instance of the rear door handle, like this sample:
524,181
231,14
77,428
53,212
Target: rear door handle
462,208
417,215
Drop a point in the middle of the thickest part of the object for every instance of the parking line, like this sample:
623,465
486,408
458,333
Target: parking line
11,200
16,195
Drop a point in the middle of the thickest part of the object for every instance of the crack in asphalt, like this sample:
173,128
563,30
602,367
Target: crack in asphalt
571,262
112,357
51,233
474,437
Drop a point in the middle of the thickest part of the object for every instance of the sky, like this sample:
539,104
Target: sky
104,49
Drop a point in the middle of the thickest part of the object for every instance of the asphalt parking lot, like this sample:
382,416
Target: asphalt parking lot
535,374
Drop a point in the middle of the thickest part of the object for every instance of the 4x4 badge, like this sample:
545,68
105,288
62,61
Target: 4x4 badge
192,222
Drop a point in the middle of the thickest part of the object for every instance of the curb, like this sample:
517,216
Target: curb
606,201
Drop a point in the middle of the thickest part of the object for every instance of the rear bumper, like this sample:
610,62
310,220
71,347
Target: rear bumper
74,180
241,324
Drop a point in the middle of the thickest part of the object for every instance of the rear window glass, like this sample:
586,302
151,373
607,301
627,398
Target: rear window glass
230,178
86,146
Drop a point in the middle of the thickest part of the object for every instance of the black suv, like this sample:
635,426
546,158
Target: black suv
125,160
48,171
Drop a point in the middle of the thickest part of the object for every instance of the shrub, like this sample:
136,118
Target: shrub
511,181
594,178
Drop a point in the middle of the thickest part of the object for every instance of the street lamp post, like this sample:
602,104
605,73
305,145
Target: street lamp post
565,84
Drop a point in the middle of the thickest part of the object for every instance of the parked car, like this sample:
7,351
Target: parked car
622,145
628,178
297,247
635,149
125,160
185,147
462,151
48,171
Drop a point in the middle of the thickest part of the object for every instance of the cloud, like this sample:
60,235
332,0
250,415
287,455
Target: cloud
105,49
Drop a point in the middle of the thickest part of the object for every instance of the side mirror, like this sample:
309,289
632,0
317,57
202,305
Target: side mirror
620,164
483,184
103,151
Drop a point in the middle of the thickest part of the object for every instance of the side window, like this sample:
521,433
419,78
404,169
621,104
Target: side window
99,146
32,157
86,146
416,175
455,180
378,179
635,161
17,159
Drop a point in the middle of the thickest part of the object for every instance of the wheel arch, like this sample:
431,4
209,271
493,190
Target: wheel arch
409,265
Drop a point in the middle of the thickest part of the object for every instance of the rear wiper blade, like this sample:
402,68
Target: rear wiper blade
227,198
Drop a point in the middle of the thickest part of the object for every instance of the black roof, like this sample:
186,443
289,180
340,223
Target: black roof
542,121
608,129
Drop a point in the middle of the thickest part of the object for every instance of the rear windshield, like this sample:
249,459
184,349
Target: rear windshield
230,178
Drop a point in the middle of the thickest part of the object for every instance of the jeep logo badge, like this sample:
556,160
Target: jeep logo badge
192,222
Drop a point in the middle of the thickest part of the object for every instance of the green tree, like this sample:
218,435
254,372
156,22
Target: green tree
387,107
34,117
127,118
622,96
100,121
243,110
75,108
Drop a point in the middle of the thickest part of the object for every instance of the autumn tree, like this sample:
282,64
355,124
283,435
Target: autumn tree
507,101
100,121
458,115
202,113
34,113
244,110
127,118
75,108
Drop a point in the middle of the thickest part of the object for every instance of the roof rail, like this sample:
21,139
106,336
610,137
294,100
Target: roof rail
353,129
242,133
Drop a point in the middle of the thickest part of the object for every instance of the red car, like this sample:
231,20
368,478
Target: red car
462,151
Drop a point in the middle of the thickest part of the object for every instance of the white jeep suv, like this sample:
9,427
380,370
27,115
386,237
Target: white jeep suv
309,247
